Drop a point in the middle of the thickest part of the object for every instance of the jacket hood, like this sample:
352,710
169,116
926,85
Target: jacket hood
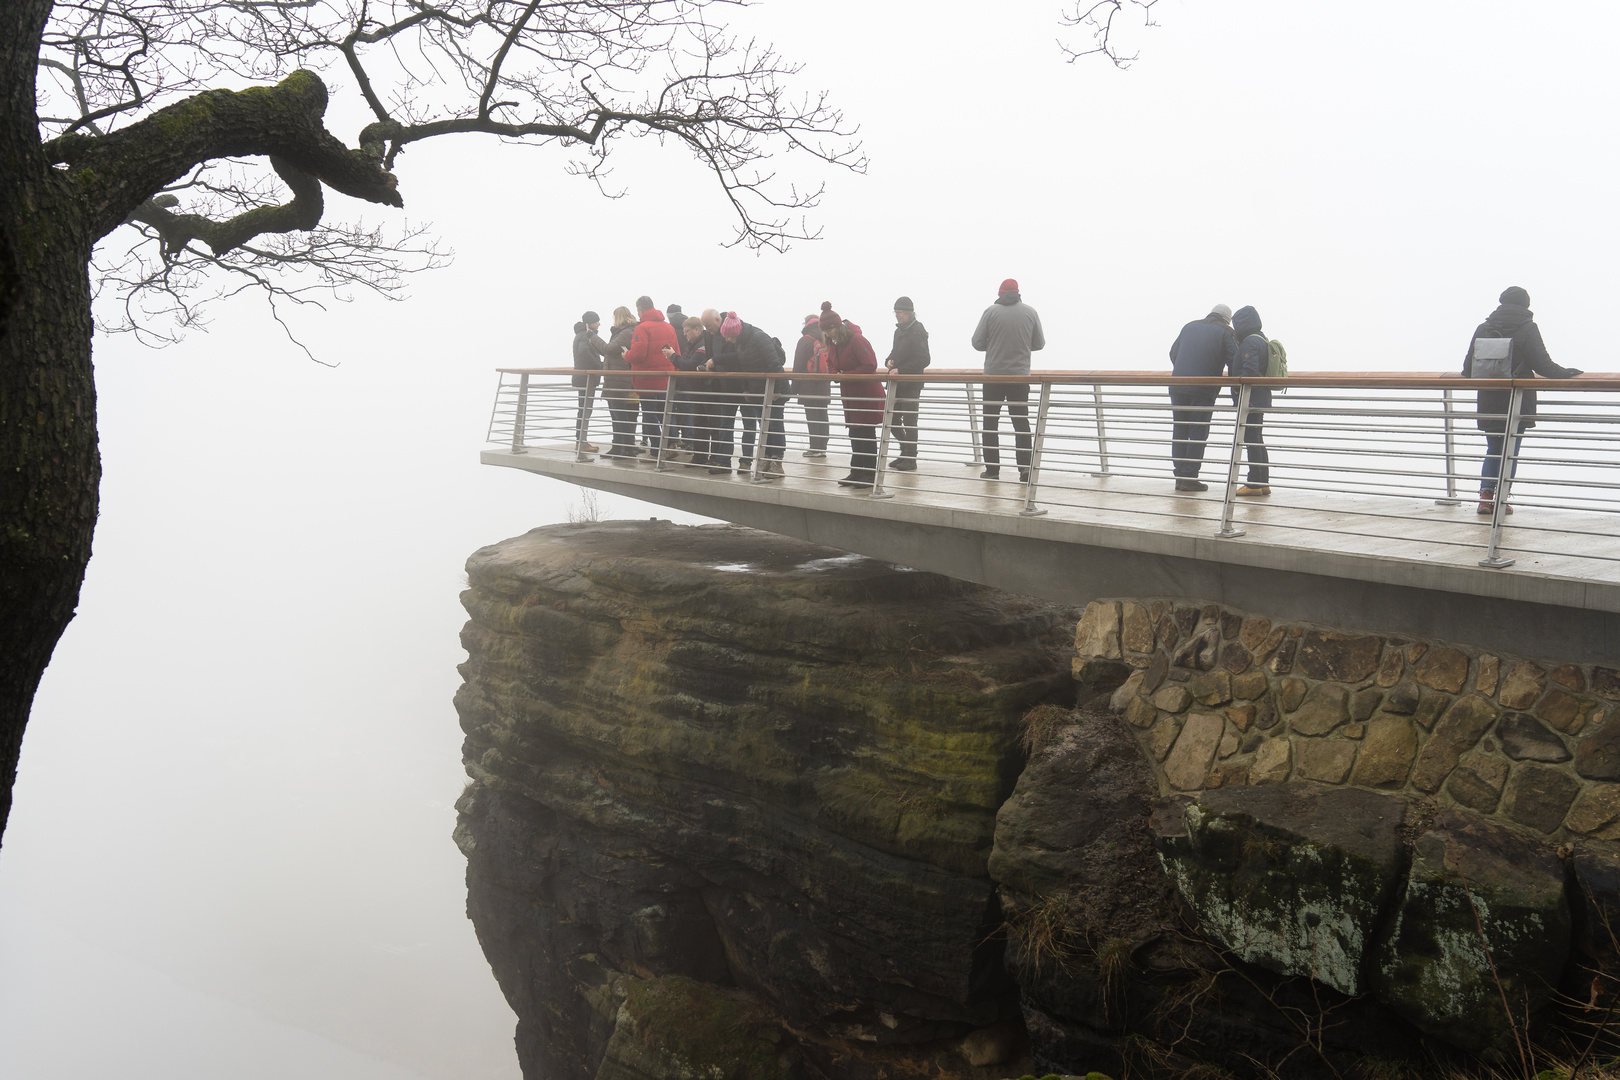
1245,321
1509,317
1008,299
652,314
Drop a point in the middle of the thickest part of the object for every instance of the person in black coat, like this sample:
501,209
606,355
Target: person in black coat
1205,348
589,349
1512,319
1254,354
908,357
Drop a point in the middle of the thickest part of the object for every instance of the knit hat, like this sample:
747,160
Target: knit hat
829,317
904,304
590,317
673,310
1514,295
1223,311
1010,285
730,326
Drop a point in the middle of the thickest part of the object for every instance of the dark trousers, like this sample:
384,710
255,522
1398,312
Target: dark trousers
587,398
717,423
1491,468
1190,432
1254,444
863,450
652,416
1016,397
622,406
907,396
775,439
815,418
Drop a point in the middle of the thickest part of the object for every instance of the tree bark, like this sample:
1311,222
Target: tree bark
50,467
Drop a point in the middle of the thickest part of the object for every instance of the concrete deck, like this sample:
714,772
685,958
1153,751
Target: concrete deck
1388,564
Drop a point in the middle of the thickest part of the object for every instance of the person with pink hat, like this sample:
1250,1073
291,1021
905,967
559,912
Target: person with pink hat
849,353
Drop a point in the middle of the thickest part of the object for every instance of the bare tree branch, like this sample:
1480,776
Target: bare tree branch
1098,17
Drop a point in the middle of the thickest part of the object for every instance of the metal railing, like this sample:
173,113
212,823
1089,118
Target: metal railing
1398,446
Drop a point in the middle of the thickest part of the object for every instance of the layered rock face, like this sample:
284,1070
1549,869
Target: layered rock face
733,801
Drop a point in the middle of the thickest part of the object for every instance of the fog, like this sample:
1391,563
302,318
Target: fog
230,851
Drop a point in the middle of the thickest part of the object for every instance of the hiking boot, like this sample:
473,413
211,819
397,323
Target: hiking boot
857,479
1254,489
588,448
813,454
1187,483
991,472
1023,476
1487,505
903,464
719,468
771,469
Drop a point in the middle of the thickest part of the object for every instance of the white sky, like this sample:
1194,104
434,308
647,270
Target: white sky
235,789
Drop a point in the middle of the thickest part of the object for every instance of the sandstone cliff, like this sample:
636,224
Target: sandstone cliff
733,800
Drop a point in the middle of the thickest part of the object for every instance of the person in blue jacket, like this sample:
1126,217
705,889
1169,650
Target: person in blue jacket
1254,352
1205,348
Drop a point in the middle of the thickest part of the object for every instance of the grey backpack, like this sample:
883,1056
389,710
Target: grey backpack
1493,358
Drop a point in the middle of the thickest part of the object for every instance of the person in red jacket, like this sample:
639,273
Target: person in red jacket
652,336
848,352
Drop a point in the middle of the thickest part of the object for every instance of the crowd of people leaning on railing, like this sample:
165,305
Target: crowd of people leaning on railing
637,363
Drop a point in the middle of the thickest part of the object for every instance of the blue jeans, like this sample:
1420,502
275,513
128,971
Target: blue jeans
1491,468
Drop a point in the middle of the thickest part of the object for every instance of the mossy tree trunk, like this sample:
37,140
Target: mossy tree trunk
56,201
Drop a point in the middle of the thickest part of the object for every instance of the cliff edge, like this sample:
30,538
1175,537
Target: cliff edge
733,801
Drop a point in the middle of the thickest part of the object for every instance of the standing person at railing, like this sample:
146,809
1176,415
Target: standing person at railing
810,358
646,354
1527,356
908,357
618,390
682,419
746,348
1204,349
589,349
1254,351
849,353
694,354
1008,332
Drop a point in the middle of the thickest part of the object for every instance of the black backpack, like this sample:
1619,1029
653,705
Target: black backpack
781,353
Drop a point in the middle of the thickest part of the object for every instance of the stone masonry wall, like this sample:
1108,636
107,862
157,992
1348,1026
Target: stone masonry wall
1221,698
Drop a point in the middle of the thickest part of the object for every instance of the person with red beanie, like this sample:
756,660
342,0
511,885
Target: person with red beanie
1008,332
849,353
646,353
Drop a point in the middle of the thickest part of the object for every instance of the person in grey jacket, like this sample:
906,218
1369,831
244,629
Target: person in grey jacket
1254,353
1205,348
589,349
908,357
1008,332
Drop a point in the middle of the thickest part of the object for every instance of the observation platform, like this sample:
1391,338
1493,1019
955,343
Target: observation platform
1371,523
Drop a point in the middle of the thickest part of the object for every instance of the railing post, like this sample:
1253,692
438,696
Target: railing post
764,434
1029,509
663,430
1492,560
1102,431
974,426
1239,422
1451,452
520,420
881,468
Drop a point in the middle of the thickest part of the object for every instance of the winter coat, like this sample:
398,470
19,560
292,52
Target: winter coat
1204,349
910,353
817,392
617,386
646,351
1529,360
752,351
1253,356
589,348
1008,331
862,398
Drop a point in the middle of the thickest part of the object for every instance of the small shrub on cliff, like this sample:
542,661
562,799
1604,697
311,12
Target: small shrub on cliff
1040,726
1044,932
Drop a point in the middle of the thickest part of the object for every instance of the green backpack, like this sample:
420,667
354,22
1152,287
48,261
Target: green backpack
1276,360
